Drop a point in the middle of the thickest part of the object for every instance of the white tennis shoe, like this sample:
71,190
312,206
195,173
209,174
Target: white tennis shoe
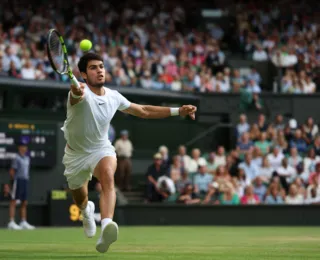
89,224
25,225
108,235
14,226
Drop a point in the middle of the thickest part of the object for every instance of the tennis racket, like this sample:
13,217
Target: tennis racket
58,56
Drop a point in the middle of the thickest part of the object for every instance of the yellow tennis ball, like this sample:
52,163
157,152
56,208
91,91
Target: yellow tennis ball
85,45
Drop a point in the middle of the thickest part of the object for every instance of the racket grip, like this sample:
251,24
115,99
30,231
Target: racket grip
75,81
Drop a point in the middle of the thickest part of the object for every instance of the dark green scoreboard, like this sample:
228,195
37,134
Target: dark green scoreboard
63,212
40,137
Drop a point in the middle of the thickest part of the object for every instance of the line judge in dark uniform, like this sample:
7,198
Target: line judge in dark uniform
19,175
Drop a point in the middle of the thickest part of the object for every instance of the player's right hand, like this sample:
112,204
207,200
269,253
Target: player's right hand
78,91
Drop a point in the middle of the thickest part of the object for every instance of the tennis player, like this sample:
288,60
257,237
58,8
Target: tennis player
88,151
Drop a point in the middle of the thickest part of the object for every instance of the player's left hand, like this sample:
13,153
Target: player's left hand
188,110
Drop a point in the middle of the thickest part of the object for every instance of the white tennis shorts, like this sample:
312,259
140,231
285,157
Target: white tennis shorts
79,166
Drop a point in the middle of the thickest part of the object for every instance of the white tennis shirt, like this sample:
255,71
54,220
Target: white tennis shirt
87,124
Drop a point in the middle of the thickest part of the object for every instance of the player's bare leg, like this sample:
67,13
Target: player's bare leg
23,211
109,230
12,212
80,197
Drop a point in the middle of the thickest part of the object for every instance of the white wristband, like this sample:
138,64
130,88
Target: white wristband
74,96
174,111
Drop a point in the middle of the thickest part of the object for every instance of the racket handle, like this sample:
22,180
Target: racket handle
75,81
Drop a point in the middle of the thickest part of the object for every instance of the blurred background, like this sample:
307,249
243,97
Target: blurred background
251,67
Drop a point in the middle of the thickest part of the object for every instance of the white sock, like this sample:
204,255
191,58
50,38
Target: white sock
105,222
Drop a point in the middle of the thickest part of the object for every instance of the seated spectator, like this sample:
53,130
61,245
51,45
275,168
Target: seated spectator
183,157
309,86
40,74
220,84
294,197
176,84
287,82
238,81
272,134
245,145
13,71
259,188
250,169
310,161
316,145
28,71
220,157
306,137
196,160
254,132
228,195
300,186
240,182
301,174
2,72
211,164
222,175
278,123
274,196
202,180
5,193
183,181
281,142
154,172
262,124
285,172
233,163
243,125
212,197
275,158
10,60
192,82
260,54
227,78
294,159
313,197
253,87
311,128
299,142
257,157
315,175
265,171
146,81
249,197
166,161
263,144
175,170
166,186
189,196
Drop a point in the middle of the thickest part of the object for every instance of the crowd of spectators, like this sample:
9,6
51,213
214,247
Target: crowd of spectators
154,46
272,163
286,33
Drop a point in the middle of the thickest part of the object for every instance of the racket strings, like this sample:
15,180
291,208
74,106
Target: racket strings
56,53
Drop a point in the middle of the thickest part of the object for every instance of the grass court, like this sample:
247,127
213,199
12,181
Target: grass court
166,242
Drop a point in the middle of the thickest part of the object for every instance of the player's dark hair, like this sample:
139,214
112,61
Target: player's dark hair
84,60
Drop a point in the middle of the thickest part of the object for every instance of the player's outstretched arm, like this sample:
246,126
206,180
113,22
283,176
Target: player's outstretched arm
157,112
76,94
